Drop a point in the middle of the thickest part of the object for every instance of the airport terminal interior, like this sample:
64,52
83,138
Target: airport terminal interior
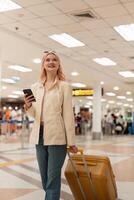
95,42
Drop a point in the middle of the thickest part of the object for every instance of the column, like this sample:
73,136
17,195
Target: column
96,130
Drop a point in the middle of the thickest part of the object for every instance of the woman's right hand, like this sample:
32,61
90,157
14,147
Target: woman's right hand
28,101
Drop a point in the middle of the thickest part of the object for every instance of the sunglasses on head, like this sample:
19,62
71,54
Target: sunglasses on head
49,52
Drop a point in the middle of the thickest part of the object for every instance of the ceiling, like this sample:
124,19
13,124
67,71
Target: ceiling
24,37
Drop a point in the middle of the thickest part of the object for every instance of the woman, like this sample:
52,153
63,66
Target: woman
54,126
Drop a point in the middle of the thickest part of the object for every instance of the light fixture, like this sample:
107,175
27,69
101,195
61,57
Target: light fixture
79,85
8,80
102,83
6,5
126,74
119,103
104,61
19,68
130,99
103,100
13,96
121,97
18,92
16,78
116,88
89,97
126,105
66,40
74,73
128,93
126,31
111,102
4,87
110,94
37,60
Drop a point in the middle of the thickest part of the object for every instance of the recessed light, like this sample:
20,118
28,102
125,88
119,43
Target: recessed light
121,97
13,96
19,68
8,80
6,5
79,85
66,40
126,31
18,92
37,60
130,99
128,93
74,73
116,88
126,74
104,61
110,94
102,83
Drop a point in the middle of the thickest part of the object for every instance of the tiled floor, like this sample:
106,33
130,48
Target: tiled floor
20,179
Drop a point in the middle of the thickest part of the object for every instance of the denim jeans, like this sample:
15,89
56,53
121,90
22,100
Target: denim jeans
50,160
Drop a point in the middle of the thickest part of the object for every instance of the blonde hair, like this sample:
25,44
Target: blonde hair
60,74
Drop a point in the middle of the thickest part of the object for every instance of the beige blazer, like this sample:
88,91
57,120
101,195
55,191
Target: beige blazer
58,114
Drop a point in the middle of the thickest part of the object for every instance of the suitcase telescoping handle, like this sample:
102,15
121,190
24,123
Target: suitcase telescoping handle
80,150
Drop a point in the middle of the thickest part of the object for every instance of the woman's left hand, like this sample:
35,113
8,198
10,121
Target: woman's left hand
73,149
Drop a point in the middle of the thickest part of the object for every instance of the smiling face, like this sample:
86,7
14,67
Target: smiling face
51,63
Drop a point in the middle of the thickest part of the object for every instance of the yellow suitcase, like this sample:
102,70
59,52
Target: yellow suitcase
91,177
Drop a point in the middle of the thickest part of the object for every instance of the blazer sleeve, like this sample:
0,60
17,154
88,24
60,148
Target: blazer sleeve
68,115
31,110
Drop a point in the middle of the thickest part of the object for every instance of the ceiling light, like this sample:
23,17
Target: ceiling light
79,85
121,97
89,97
116,88
104,61
103,100
18,92
37,60
13,96
66,40
126,31
119,103
20,68
130,99
126,74
16,78
128,93
8,80
110,94
6,5
4,87
111,102
126,105
102,83
74,73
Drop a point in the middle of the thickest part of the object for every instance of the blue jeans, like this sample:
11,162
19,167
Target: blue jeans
50,160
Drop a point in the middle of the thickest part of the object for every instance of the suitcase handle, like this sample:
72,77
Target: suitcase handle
89,164
80,150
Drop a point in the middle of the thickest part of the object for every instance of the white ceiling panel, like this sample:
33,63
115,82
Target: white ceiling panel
20,14
36,23
93,24
100,3
59,20
130,7
111,11
69,5
49,31
116,21
71,28
44,10
5,20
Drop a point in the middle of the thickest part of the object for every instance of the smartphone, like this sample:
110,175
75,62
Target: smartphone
29,92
